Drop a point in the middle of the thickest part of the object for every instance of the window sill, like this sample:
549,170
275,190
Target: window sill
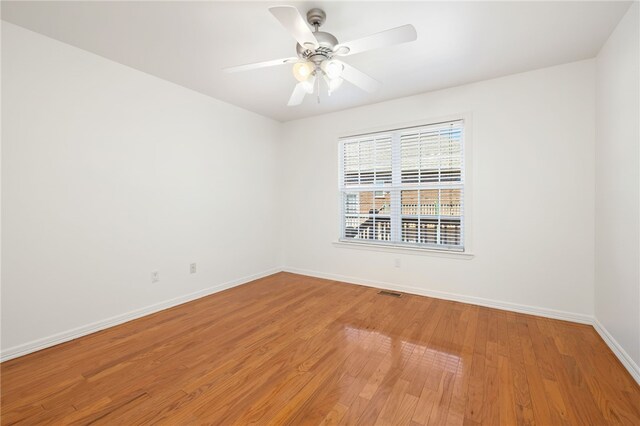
405,250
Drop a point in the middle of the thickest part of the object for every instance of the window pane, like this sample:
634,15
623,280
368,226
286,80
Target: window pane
367,161
367,216
432,154
450,203
450,232
431,216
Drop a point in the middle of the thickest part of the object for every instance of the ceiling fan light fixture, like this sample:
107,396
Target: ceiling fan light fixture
303,70
332,69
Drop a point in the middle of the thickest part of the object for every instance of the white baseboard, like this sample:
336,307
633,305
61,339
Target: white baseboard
619,352
65,336
473,300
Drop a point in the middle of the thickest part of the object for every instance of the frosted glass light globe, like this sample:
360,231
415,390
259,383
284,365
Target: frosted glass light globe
303,70
332,69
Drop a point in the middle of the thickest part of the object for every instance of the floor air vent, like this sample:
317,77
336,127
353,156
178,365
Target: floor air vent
390,293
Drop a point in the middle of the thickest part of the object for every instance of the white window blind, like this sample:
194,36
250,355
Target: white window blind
405,187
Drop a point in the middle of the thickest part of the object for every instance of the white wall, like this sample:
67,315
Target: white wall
108,174
532,182
617,266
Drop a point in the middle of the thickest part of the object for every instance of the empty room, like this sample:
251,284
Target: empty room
312,213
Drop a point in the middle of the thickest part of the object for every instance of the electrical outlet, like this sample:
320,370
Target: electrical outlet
192,268
155,276
397,262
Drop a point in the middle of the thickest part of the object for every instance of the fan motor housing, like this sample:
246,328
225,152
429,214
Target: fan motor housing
327,42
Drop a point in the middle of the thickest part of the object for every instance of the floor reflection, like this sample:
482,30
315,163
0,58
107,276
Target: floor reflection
401,350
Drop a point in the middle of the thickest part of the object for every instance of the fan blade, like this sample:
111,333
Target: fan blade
359,79
257,65
298,95
386,38
300,90
293,22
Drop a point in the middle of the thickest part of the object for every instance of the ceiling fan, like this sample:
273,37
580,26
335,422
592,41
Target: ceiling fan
317,52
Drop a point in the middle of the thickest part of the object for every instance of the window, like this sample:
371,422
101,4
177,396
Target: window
404,187
379,194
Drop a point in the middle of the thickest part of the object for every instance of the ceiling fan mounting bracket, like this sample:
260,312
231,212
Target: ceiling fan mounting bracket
316,17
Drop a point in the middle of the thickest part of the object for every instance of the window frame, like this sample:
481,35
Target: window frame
465,250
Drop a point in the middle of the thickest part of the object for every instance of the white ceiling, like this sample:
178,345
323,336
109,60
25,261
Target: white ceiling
189,43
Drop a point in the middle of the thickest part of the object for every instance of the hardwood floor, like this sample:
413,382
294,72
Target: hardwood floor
289,349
